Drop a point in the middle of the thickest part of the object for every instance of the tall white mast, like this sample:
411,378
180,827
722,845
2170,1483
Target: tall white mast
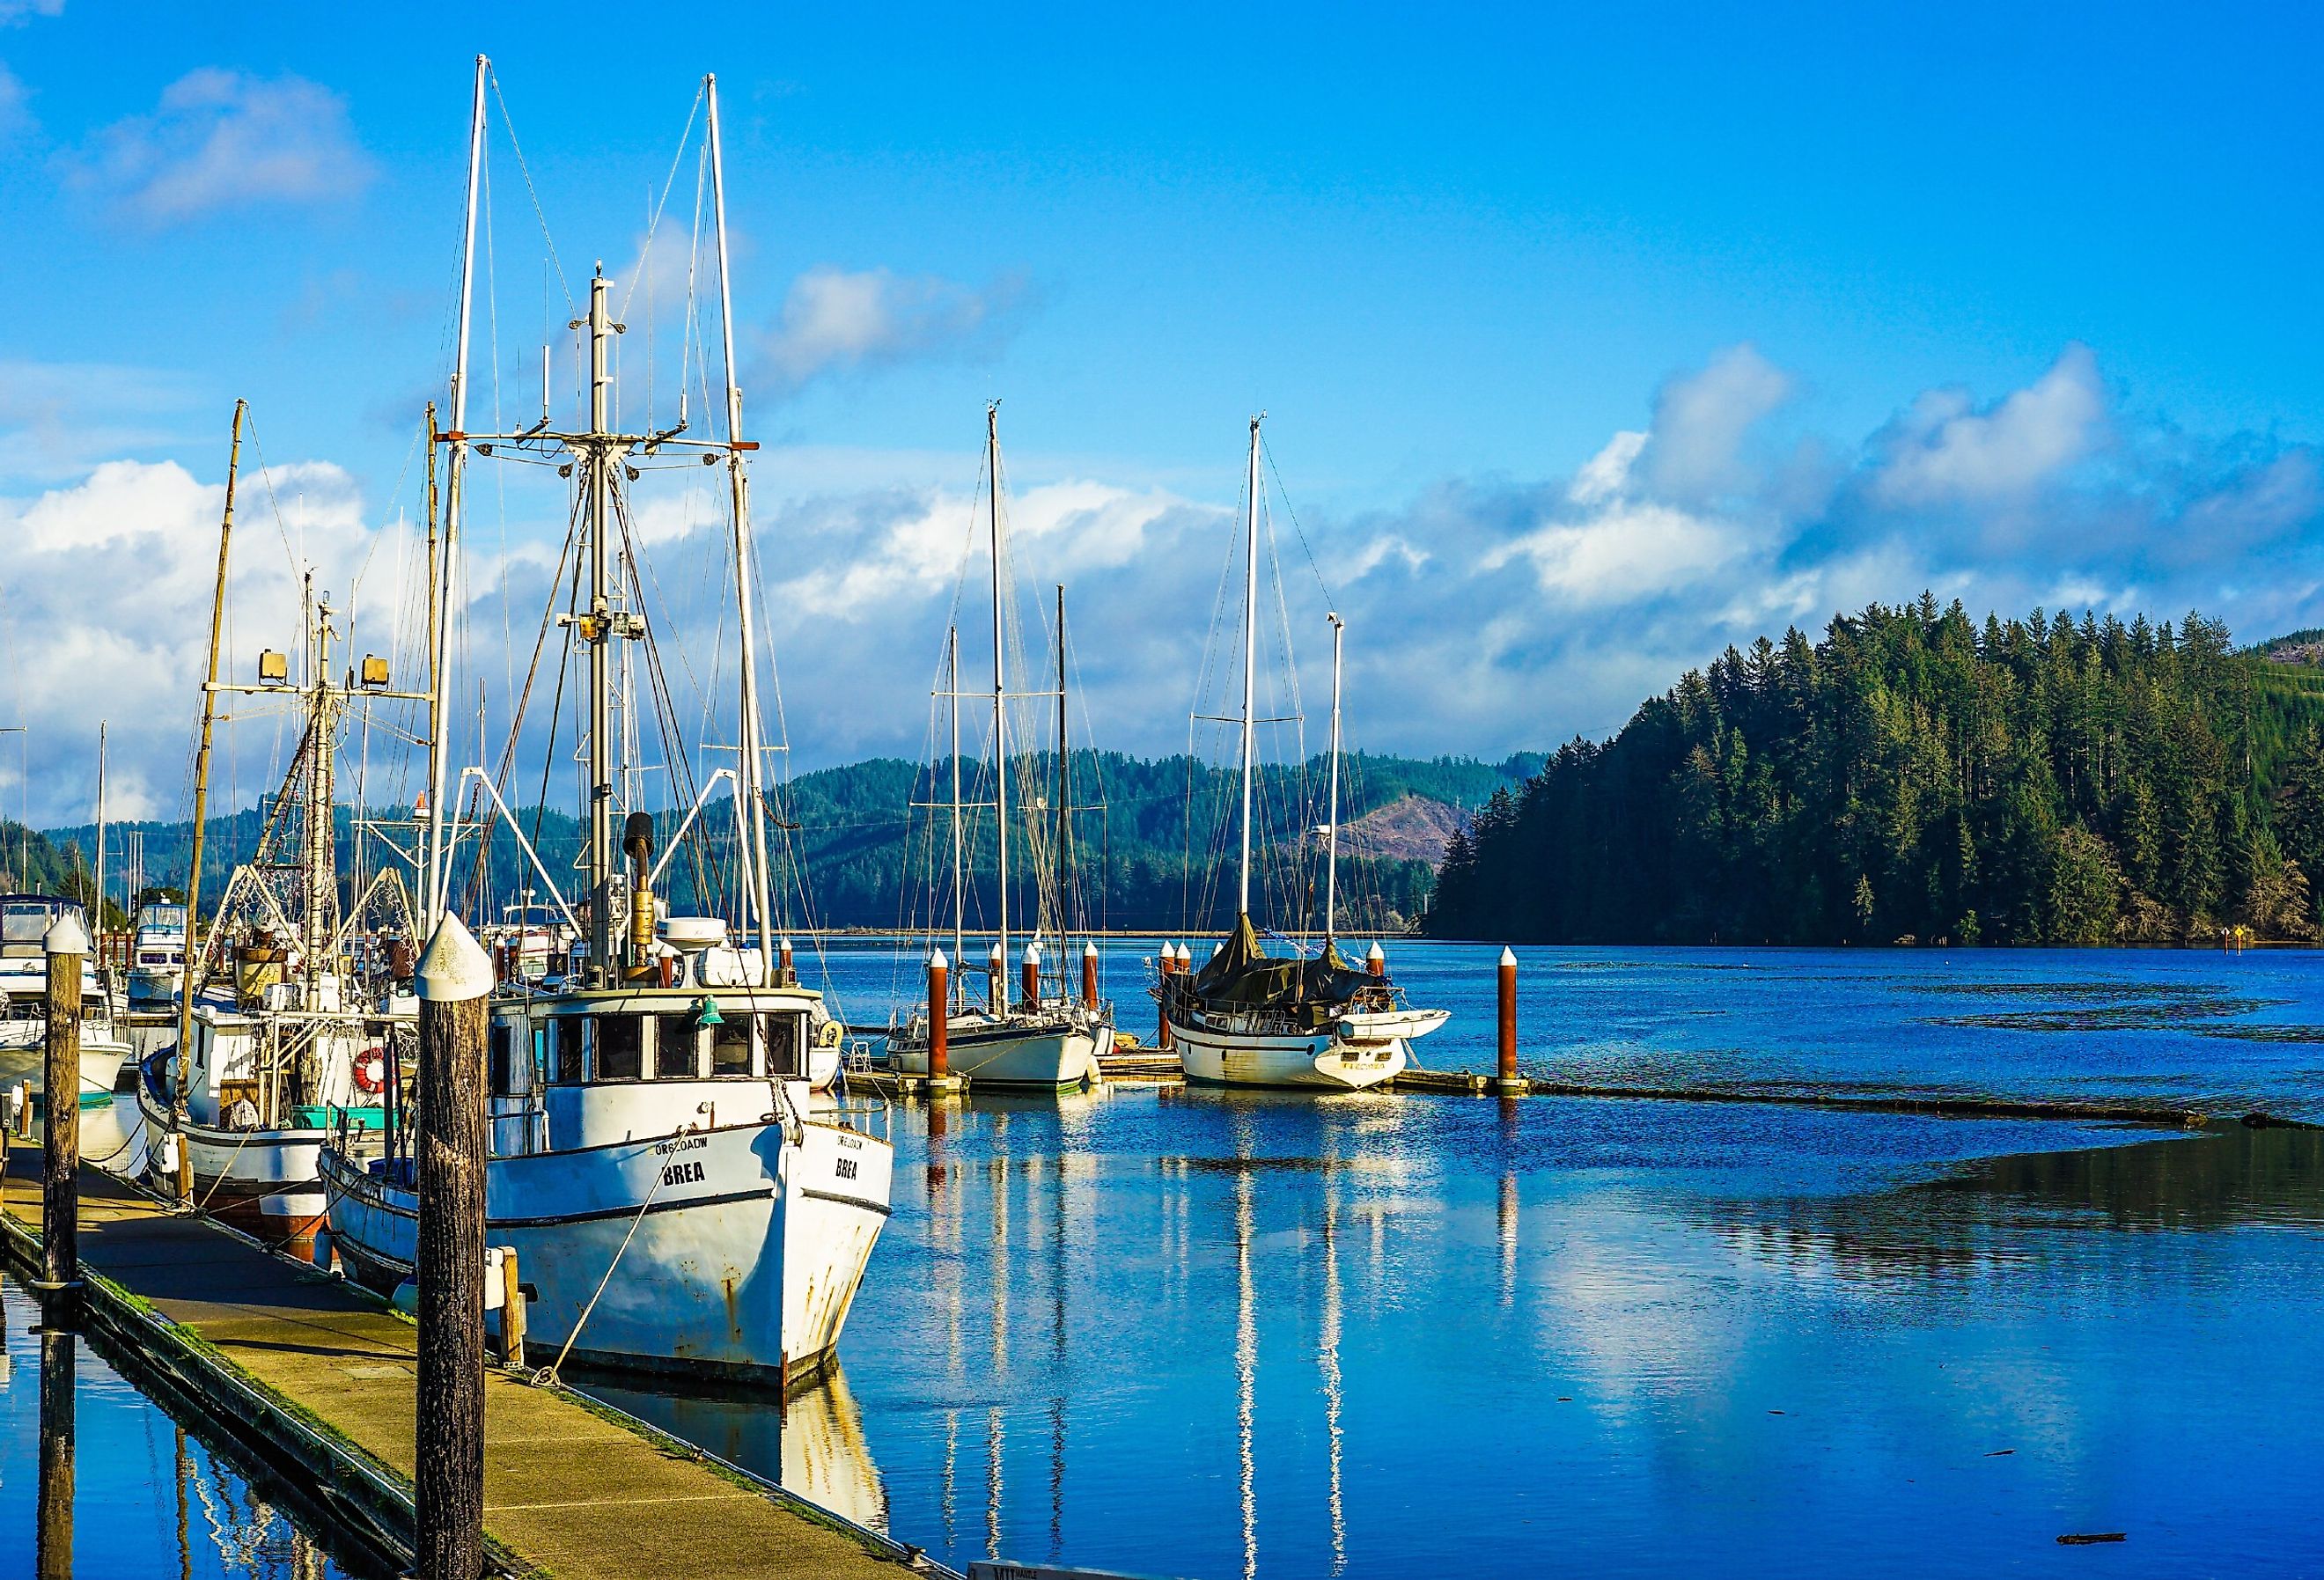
999,686
756,862
1249,647
600,458
1331,803
98,920
959,869
439,664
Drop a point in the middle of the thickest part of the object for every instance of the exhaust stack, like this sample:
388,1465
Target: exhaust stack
637,844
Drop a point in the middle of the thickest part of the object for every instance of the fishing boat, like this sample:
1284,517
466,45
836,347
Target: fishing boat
1047,1036
678,1201
1249,1018
157,953
25,920
287,1036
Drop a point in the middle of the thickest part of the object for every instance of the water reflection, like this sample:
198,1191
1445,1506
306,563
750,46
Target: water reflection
83,1455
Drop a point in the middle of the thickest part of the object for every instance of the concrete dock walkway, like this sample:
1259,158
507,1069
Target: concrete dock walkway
570,1488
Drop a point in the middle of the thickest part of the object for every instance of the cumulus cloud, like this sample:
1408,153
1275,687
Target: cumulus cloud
219,141
836,321
1483,615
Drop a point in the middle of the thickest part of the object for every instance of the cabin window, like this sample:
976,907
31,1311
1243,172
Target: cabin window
783,1045
677,1051
499,1057
540,1053
730,1046
566,1034
621,1047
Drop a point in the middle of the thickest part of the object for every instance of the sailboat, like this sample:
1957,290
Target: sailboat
288,1034
1043,1038
675,1202
1250,1019
25,921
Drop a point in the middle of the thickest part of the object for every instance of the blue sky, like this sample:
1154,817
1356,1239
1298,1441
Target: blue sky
2015,303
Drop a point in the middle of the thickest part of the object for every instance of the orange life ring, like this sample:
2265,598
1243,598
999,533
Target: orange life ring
371,1071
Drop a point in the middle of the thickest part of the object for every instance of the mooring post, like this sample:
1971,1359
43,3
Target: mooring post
1166,962
1089,975
511,1310
788,975
1509,1082
1028,976
939,1024
995,968
1376,962
54,1525
65,945
456,975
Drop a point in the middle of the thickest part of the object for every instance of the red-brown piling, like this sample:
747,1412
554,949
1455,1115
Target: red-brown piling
939,1018
1508,1080
1167,963
1029,977
1089,976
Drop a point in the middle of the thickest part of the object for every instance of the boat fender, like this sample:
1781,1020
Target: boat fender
371,1071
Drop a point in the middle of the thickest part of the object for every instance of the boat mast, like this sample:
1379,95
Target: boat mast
597,629
1065,787
959,867
755,861
439,591
194,954
1249,647
319,858
1331,804
999,687
98,920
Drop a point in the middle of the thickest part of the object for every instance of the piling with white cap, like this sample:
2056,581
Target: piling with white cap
995,968
785,973
939,1011
1166,962
1376,962
1089,975
65,944
1028,976
1508,1082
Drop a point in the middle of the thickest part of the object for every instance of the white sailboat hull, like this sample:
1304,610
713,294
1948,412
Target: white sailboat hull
733,1251
1358,1052
995,1054
28,1062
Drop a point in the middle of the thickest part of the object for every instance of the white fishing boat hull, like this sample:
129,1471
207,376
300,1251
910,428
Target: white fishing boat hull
733,1251
26,1060
265,1182
994,1054
1358,1052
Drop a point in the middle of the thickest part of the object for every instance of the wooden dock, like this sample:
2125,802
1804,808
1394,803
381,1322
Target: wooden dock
324,1377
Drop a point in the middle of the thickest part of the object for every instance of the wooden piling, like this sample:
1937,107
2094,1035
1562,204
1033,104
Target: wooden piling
1508,1081
1089,976
787,974
995,968
54,1525
456,975
1376,961
1166,962
513,1313
939,1018
1029,977
65,946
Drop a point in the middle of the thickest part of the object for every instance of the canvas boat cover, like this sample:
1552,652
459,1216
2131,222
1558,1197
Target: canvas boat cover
1243,976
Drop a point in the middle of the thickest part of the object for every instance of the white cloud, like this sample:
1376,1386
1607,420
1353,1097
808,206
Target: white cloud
12,11
1702,419
836,319
220,140
16,113
1628,551
1943,449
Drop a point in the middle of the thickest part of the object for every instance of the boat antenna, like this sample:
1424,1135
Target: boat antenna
440,658
755,857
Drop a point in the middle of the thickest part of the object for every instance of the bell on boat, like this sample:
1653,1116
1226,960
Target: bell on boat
706,1013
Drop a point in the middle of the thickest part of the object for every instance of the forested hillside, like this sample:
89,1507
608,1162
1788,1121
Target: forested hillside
1913,775
1152,842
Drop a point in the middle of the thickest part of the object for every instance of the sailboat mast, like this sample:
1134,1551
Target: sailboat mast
959,863
1249,648
1000,685
598,628
1331,802
321,859
761,897
1065,858
98,919
439,591
194,954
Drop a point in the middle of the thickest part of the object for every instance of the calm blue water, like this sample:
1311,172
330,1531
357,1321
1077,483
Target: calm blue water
1184,1333
2192,1028
148,1498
